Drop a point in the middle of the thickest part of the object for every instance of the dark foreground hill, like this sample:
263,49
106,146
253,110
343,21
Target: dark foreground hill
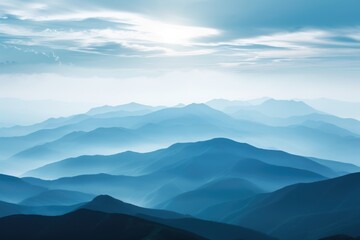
106,204
340,237
90,225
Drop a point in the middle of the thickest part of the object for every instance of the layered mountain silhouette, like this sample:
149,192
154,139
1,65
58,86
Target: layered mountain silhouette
131,109
57,198
310,136
152,178
131,163
8,209
175,183
18,191
106,204
20,138
302,211
76,143
108,135
206,229
340,167
14,190
212,193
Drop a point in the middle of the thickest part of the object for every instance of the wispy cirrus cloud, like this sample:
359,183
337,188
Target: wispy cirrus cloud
302,45
39,25
56,28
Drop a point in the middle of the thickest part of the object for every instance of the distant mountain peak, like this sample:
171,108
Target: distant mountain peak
282,101
197,105
283,108
220,141
106,198
290,103
195,109
127,107
215,143
108,203
133,104
201,108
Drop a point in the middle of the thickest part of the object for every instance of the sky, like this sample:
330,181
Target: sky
163,52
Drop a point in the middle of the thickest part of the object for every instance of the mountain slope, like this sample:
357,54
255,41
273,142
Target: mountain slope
341,167
349,124
104,203
319,225
89,165
130,189
212,193
57,198
105,140
214,230
7,209
13,145
14,190
330,205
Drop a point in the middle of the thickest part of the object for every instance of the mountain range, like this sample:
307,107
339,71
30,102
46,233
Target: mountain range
317,135
301,211
224,170
152,178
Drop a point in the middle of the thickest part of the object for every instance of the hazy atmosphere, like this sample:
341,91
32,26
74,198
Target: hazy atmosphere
180,119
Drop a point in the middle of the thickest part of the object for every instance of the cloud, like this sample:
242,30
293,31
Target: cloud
303,45
39,25
100,33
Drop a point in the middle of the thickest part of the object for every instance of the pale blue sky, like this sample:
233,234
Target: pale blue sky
169,51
